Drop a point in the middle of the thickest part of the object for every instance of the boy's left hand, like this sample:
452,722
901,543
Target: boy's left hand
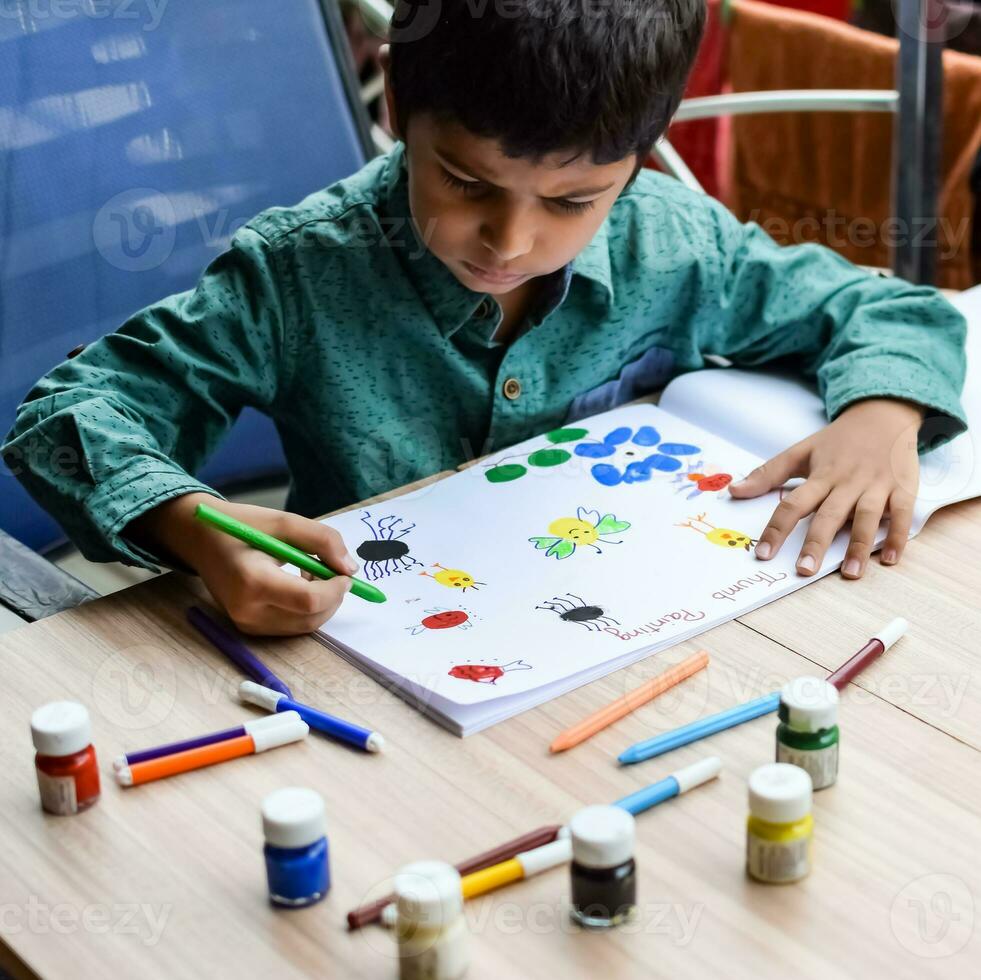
861,467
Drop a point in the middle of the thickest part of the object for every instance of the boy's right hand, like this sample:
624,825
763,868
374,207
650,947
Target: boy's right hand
248,584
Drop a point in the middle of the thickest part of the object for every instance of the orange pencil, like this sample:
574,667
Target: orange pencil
289,727
629,702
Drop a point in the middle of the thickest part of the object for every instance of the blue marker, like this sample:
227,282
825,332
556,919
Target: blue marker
344,731
671,786
700,729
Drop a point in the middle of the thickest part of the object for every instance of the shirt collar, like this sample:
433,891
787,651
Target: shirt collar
450,303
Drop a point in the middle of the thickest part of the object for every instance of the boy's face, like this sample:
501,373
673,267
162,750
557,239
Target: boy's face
497,222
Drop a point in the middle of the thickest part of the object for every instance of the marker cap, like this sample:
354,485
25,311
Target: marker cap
891,632
602,836
264,697
779,793
428,893
697,773
289,727
808,704
61,728
293,817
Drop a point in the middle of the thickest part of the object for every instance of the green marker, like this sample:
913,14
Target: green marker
280,549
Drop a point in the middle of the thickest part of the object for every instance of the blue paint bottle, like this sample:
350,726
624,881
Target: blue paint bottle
297,863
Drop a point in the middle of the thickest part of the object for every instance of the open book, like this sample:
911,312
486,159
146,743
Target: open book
576,553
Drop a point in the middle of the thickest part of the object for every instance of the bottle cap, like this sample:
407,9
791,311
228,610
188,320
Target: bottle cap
428,893
293,817
779,793
808,704
602,836
61,728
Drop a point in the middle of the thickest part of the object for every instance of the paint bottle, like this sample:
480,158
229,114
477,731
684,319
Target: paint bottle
807,735
780,825
67,770
603,870
431,932
297,860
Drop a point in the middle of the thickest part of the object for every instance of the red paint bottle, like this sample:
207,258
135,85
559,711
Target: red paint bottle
67,771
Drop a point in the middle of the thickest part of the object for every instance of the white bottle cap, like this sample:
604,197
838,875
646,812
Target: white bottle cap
293,817
779,793
428,893
61,728
809,704
602,836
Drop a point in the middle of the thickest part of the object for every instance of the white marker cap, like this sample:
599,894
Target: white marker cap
697,773
293,817
290,727
780,793
61,728
265,697
602,836
891,632
428,893
809,704
547,856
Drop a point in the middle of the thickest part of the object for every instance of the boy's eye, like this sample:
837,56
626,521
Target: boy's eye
474,186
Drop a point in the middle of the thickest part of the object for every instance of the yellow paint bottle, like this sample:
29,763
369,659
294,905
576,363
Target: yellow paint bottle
780,825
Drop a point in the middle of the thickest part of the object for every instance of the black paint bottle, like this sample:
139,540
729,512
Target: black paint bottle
604,874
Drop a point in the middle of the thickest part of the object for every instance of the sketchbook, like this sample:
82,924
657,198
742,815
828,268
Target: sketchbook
574,554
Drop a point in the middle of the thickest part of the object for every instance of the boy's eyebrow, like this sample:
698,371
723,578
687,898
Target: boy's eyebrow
581,192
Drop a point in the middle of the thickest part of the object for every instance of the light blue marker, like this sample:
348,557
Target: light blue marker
700,729
344,731
671,786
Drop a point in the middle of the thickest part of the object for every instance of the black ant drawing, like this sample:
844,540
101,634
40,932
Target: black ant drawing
385,554
575,610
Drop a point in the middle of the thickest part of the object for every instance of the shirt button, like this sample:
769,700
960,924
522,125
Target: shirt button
75,351
512,389
483,310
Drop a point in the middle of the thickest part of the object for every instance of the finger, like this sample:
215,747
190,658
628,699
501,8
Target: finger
900,519
316,539
268,584
795,506
270,619
865,523
774,472
825,524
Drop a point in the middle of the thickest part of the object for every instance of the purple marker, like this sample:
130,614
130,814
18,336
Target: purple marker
144,755
236,651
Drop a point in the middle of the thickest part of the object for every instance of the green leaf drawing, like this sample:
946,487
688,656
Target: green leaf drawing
567,435
505,473
609,524
548,457
561,550
542,543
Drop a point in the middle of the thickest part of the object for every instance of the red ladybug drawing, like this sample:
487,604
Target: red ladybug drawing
442,619
706,479
485,673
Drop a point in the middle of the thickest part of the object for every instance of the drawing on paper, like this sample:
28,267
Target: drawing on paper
485,673
725,537
707,479
384,553
574,609
633,456
504,471
453,578
585,529
440,618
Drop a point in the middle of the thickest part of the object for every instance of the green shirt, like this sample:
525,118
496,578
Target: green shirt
379,367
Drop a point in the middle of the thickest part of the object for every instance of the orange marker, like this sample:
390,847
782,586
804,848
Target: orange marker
285,727
599,720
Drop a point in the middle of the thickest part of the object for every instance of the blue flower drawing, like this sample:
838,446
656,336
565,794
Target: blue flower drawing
631,449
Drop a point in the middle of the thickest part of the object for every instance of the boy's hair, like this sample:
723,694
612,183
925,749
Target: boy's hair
601,77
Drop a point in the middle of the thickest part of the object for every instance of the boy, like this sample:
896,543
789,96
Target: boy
508,266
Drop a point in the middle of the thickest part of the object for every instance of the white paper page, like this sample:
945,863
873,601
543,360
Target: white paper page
632,563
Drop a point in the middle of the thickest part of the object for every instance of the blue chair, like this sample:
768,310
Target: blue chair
134,140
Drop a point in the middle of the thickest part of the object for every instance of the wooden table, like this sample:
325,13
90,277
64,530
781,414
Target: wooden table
168,880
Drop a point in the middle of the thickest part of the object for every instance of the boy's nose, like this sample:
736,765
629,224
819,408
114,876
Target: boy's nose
507,238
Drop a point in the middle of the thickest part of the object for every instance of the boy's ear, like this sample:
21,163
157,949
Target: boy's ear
385,60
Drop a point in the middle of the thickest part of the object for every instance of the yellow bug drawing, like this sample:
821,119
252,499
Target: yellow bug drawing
724,537
454,578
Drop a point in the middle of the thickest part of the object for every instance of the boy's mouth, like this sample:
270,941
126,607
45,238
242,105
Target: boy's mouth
488,275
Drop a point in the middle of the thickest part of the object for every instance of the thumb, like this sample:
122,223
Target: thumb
773,473
316,539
